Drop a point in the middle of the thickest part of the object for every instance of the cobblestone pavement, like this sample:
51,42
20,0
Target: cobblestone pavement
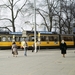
45,62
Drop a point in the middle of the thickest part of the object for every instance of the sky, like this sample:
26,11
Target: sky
20,24
38,20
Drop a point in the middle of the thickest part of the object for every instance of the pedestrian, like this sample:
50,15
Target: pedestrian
36,46
25,46
14,49
63,48
33,47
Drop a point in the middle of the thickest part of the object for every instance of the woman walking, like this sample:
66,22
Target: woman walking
33,47
14,49
25,46
63,48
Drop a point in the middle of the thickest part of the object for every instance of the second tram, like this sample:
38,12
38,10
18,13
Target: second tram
48,39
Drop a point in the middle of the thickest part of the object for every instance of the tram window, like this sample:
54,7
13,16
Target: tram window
51,38
74,38
65,38
16,39
68,38
0,38
47,38
43,38
26,38
55,38
31,38
9,38
3,38
20,38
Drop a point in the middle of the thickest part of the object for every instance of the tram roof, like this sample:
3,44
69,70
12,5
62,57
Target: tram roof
46,32
15,33
41,32
4,32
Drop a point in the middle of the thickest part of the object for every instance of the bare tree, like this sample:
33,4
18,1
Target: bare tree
48,13
67,8
63,9
55,13
14,14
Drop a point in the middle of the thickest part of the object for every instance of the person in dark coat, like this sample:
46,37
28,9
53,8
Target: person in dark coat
63,48
33,47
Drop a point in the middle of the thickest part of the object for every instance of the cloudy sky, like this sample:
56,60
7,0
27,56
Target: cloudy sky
19,22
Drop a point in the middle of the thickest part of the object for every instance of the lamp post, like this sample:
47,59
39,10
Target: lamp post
35,25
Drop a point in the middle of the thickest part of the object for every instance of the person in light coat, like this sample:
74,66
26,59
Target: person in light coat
14,49
25,46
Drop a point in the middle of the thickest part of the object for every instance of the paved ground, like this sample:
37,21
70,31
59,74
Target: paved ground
45,62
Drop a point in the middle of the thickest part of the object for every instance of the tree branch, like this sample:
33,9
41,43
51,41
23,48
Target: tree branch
44,19
6,19
20,9
16,2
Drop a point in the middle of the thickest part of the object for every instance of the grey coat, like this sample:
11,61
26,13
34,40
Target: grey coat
14,49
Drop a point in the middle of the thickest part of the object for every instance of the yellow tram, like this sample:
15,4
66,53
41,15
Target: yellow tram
48,39
6,39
